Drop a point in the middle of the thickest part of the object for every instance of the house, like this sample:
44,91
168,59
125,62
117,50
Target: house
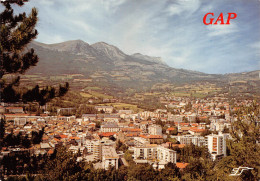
171,145
111,118
131,131
106,109
155,139
45,146
89,117
181,165
2,109
170,130
125,112
144,126
76,149
20,121
9,117
14,110
196,131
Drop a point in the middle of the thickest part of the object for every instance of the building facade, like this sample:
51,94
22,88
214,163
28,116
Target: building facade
190,139
109,157
217,145
155,130
154,153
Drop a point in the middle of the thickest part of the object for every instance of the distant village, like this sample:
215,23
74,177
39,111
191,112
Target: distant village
149,136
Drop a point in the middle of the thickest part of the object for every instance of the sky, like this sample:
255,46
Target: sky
170,29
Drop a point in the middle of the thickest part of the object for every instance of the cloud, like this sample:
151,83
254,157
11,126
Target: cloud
112,5
255,45
183,7
221,30
171,29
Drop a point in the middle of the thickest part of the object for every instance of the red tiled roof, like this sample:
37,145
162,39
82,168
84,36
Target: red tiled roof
195,129
131,125
107,134
203,117
143,136
185,128
50,152
14,108
181,165
4,148
178,145
74,138
45,138
16,114
194,124
131,130
171,129
154,136
56,139
63,136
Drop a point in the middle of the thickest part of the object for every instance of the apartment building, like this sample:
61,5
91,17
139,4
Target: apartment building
217,145
106,109
154,153
109,157
110,127
20,121
147,114
148,152
166,155
139,141
94,147
219,125
190,139
155,129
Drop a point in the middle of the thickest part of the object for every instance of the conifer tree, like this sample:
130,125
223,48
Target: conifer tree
16,32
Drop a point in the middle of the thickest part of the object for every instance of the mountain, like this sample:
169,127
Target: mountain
106,63
148,58
109,51
77,47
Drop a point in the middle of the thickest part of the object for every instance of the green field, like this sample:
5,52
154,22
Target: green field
92,88
181,94
100,95
86,95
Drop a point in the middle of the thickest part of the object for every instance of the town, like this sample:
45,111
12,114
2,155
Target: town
108,137
129,90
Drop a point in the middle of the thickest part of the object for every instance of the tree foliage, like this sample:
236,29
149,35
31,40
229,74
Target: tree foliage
16,32
243,149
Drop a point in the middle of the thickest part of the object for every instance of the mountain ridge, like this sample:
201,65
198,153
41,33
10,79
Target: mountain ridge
106,63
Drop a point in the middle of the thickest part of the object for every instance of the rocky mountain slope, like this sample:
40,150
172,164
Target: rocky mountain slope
106,63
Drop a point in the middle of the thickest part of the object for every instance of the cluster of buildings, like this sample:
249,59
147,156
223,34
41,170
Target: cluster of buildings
95,136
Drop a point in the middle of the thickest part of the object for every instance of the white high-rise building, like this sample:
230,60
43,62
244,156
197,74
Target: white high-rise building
217,145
